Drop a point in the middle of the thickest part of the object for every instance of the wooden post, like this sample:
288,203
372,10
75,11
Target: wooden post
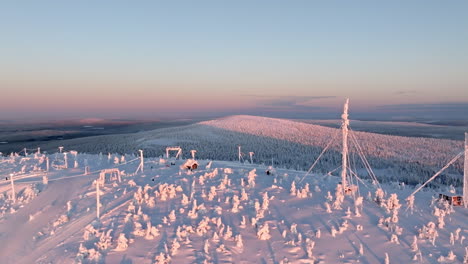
47,163
25,152
13,195
240,155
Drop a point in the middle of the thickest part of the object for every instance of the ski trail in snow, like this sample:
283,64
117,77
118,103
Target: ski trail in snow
72,228
16,229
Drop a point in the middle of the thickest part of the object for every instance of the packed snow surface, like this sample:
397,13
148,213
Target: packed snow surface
222,212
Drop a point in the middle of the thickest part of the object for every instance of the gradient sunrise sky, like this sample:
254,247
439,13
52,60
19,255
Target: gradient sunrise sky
154,58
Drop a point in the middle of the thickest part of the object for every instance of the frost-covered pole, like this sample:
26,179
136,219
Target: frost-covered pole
344,154
240,155
60,149
65,158
465,181
167,153
38,150
97,198
193,153
25,152
251,157
13,195
141,160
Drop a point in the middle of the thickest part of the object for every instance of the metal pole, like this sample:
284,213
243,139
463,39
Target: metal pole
65,160
465,180
344,153
141,160
438,173
13,188
97,199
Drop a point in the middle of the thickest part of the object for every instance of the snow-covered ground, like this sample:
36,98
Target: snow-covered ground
222,212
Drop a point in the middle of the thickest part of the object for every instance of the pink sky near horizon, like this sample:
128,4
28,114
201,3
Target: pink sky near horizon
87,92
126,59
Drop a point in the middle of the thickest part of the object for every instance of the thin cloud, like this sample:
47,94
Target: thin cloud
403,92
290,97
287,101
298,104
459,106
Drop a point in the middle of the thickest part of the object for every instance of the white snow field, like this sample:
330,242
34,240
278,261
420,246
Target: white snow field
221,212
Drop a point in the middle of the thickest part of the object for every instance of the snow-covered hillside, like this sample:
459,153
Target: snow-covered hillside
297,145
222,212
288,144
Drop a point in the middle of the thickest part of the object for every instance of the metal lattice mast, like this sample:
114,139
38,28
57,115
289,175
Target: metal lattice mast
465,180
344,153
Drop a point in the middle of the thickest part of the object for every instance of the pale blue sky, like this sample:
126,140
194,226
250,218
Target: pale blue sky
122,58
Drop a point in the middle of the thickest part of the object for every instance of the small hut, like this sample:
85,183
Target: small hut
453,199
190,164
